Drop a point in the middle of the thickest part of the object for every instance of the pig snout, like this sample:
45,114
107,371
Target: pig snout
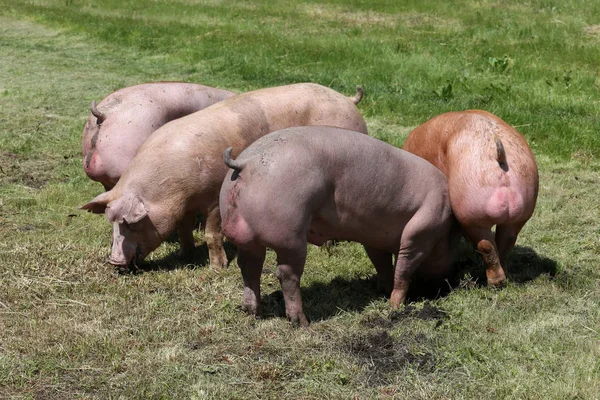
124,252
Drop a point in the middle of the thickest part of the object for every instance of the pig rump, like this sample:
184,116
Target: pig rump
492,179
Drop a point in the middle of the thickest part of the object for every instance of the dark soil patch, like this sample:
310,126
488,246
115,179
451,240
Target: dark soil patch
377,322
33,173
427,313
26,228
381,354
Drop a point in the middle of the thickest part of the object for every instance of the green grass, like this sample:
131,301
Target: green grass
71,326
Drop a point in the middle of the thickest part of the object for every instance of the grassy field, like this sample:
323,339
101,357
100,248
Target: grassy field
71,326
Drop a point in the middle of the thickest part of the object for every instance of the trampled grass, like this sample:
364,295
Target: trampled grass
71,326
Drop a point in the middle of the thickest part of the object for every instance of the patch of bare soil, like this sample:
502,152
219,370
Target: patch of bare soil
381,354
32,173
428,313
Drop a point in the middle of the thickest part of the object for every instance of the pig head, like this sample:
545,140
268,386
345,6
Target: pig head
134,233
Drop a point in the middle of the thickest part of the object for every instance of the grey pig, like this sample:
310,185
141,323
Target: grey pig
313,184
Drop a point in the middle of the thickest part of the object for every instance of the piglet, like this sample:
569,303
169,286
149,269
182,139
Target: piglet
313,184
492,179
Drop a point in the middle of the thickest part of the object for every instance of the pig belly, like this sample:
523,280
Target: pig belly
378,237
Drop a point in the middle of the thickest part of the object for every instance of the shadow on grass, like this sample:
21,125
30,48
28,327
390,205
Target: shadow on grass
173,261
524,265
322,301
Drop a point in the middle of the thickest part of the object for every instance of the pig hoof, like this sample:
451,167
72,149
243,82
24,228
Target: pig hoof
496,279
251,309
497,283
299,321
398,297
218,266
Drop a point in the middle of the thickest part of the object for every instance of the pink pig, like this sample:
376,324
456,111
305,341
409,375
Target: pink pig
121,123
316,183
492,179
178,171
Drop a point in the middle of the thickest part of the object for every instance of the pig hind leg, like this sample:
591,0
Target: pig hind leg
483,240
214,239
382,260
290,266
250,261
417,242
506,236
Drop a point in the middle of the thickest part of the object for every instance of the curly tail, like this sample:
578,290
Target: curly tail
359,95
100,116
235,165
501,154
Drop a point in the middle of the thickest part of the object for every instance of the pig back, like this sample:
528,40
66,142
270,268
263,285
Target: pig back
130,115
354,186
304,104
186,154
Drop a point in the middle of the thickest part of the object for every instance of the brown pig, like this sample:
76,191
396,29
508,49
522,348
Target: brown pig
492,179
312,184
179,170
123,120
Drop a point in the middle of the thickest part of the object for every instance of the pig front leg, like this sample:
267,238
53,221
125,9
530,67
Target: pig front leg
290,266
214,239
486,246
382,260
250,261
185,230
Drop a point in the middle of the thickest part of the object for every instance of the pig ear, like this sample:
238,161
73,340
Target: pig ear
136,212
98,204
130,209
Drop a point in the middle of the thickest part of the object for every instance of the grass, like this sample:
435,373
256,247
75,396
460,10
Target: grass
71,326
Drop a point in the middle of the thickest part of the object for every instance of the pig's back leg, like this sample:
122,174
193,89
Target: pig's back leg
485,244
250,261
506,237
214,238
382,261
418,240
290,266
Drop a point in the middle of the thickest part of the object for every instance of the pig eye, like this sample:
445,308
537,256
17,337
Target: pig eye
134,226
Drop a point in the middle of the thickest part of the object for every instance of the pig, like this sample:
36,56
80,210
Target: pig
492,179
123,120
313,184
179,170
